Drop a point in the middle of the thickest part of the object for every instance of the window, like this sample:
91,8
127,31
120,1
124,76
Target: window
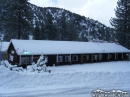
67,58
75,57
116,55
101,56
25,60
94,57
87,57
60,58
110,56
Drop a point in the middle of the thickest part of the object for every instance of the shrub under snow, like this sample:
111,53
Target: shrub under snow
40,66
12,67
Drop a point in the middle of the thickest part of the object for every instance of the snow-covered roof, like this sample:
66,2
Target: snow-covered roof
36,47
4,46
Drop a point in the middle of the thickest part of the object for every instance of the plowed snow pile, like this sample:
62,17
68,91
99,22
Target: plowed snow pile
109,75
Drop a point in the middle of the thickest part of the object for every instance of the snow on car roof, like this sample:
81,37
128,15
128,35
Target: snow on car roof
36,47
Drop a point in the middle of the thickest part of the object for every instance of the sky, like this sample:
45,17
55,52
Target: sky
100,10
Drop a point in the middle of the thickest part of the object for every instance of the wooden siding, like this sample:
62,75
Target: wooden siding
51,60
4,56
125,56
15,56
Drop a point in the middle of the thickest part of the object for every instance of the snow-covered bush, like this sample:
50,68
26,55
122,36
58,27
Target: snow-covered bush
40,66
34,66
12,67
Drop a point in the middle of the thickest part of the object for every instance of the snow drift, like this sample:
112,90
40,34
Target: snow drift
77,79
13,81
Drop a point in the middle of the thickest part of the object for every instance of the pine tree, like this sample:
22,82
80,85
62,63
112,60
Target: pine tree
18,19
72,32
121,23
43,35
62,27
2,15
67,29
50,28
36,33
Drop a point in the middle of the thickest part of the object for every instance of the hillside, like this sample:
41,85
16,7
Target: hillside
88,29
64,21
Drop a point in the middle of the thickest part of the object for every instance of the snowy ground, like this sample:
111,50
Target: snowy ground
66,81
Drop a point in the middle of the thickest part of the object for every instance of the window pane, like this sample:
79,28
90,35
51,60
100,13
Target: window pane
87,57
75,57
60,59
25,60
67,58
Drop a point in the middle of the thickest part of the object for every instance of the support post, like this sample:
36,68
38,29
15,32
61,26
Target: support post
115,56
57,63
20,60
91,58
70,59
87,57
129,57
26,62
100,57
81,59
32,58
108,57
122,57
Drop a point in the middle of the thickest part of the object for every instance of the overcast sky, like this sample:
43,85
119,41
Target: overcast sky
100,10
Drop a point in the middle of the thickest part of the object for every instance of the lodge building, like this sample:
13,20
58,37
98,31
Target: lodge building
24,52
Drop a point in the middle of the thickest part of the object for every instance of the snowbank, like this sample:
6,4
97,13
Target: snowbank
120,66
77,79
66,77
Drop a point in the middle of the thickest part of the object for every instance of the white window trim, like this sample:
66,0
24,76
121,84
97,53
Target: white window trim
60,58
76,57
68,58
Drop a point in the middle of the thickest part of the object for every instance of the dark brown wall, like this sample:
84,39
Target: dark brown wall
5,56
104,57
51,60
120,56
125,56
81,59
85,58
16,58
112,57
